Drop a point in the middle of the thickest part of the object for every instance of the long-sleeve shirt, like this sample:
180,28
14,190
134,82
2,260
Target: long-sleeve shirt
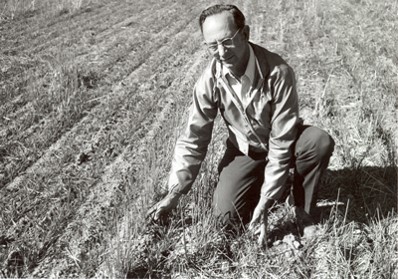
267,124
243,86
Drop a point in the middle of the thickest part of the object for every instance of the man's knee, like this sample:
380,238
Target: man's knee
325,144
231,212
227,217
316,142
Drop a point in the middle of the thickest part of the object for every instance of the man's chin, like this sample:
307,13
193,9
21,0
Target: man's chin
227,62
230,66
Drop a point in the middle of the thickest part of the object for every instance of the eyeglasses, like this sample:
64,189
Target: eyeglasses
227,43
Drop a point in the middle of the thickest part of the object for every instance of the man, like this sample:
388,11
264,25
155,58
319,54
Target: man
255,92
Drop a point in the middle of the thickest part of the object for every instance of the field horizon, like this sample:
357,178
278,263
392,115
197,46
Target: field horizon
93,96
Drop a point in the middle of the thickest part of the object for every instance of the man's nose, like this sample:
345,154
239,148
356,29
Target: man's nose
221,50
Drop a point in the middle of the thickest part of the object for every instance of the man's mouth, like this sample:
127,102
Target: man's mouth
225,59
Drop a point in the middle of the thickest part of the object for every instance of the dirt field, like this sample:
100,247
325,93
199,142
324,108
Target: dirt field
89,105
93,89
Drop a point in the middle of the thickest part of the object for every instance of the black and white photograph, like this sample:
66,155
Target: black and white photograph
199,139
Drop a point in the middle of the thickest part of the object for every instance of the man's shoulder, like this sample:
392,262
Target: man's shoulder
207,81
209,72
271,57
273,61
208,75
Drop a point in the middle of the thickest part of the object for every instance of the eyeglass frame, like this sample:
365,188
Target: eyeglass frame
216,44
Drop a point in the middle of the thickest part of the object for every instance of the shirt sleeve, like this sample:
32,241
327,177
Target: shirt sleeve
284,122
191,147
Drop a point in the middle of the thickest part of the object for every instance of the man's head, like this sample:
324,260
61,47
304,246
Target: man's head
224,31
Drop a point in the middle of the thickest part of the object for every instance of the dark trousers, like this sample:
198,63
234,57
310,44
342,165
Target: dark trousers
241,177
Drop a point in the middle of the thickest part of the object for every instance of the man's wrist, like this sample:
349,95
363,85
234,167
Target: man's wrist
265,201
175,193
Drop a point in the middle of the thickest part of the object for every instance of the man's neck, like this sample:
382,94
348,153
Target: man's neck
241,69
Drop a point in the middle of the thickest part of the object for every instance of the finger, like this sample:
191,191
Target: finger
151,211
155,212
254,222
156,217
263,235
252,226
255,231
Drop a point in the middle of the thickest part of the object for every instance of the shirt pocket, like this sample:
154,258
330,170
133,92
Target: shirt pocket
262,109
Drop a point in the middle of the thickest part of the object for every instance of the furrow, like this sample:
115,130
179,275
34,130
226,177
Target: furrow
44,124
33,22
78,45
45,33
101,56
56,163
98,205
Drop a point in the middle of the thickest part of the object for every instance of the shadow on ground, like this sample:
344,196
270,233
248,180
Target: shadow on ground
362,194
365,192
357,195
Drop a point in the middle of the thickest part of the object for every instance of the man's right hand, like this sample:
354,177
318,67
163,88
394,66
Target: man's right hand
260,217
164,206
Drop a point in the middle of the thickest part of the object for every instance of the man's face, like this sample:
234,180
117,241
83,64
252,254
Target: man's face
219,27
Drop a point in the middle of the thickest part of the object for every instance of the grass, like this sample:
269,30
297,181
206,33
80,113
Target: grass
331,58
92,97
12,9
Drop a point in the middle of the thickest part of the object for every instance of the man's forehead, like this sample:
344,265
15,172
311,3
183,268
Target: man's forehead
223,19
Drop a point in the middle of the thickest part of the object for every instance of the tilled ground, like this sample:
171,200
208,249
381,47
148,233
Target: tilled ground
89,103
121,69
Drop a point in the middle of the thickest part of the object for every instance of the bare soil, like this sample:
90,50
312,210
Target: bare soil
90,102
64,174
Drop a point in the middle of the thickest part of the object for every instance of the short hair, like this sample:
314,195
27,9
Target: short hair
239,18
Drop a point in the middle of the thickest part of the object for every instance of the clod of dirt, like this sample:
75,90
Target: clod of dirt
82,158
293,241
88,80
311,231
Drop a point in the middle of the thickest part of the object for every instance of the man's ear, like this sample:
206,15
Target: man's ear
246,32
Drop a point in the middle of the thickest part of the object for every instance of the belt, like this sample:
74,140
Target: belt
257,155
253,153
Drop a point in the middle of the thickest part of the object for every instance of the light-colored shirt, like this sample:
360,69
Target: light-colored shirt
244,90
243,86
267,123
